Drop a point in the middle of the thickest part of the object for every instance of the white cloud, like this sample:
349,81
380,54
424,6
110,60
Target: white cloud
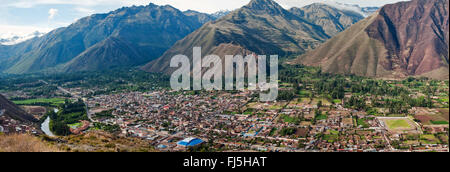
11,30
33,3
199,5
205,5
84,11
52,13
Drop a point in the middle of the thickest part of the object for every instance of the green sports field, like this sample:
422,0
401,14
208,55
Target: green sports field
397,124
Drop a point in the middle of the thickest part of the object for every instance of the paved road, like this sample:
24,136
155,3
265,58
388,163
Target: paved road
67,92
43,82
89,114
381,124
390,147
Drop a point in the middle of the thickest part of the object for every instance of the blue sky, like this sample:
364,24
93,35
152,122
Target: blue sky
20,16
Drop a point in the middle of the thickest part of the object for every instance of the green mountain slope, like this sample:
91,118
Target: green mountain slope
261,27
148,30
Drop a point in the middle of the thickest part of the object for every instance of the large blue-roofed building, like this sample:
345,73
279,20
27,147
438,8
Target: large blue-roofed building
190,142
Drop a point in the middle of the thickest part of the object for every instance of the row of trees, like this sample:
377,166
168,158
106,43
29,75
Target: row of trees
69,113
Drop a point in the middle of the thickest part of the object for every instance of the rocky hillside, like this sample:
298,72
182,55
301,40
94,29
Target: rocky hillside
15,112
400,40
261,27
331,19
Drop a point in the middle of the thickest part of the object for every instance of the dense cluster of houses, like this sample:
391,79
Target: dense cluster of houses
235,121
10,125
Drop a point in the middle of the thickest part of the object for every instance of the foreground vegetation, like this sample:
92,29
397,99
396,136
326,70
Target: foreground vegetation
98,141
25,143
69,113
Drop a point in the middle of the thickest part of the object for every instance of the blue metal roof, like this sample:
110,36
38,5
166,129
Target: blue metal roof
190,142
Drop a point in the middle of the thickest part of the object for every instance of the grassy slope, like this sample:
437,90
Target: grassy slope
24,143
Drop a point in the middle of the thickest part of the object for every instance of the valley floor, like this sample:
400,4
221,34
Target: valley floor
314,112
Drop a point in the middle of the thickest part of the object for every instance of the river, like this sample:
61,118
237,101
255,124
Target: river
45,127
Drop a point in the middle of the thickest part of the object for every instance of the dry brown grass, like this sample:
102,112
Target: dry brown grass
24,143
94,141
99,141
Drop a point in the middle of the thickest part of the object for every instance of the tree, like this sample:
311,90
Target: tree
319,104
60,129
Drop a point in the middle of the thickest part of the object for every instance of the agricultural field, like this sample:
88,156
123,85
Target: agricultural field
337,101
441,117
330,138
362,122
429,139
303,100
321,116
444,113
324,101
41,101
290,119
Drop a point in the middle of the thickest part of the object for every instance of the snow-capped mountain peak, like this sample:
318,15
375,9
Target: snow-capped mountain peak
365,11
14,38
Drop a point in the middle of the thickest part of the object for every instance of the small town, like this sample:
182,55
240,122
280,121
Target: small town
233,122
299,121
231,76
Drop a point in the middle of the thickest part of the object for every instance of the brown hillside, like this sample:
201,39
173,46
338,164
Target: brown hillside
24,143
262,27
402,39
15,111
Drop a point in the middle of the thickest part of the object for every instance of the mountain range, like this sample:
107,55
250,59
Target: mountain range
331,19
133,36
403,39
398,40
125,37
262,27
